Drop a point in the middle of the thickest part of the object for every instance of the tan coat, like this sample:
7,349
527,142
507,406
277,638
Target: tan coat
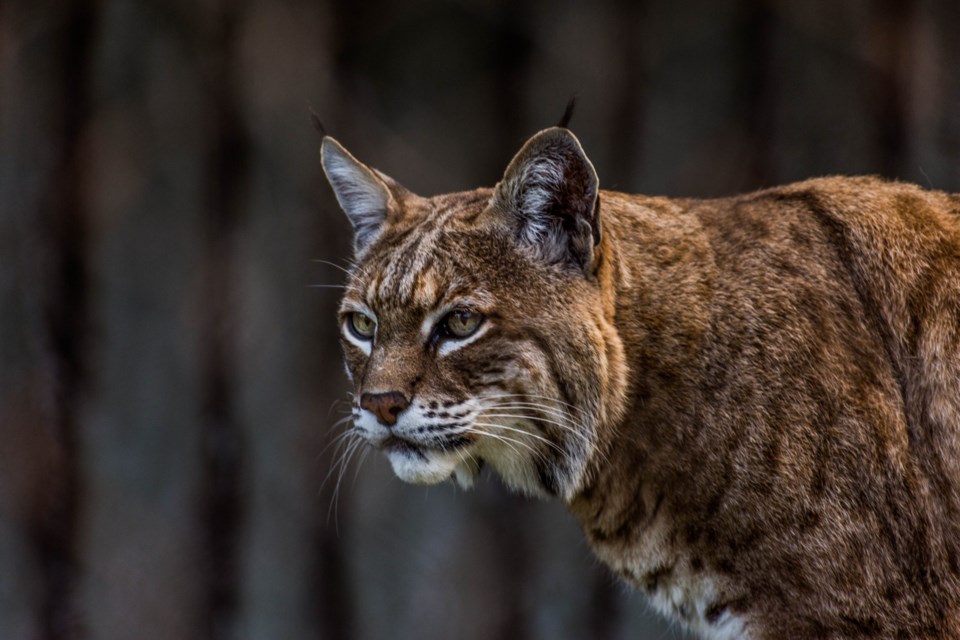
751,404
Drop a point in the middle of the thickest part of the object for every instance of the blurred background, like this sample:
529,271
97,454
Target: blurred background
169,379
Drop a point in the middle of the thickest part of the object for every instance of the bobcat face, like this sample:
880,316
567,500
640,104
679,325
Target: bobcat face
474,326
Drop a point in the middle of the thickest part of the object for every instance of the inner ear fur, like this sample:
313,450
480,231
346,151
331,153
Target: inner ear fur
367,196
550,194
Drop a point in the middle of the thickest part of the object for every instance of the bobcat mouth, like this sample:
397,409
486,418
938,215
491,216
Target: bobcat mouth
398,444
395,444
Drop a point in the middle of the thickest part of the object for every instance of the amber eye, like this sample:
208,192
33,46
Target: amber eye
461,323
362,325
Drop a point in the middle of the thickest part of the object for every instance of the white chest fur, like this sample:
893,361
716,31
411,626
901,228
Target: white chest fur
690,597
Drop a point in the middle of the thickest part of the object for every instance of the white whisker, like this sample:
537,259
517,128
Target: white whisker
333,264
566,427
350,452
526,433
363,458
338,441
530,395
497,436
534,405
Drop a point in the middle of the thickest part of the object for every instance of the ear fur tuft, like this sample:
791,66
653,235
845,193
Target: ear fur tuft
568,112
317,124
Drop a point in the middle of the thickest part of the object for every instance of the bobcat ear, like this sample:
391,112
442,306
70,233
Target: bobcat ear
549,192
364,194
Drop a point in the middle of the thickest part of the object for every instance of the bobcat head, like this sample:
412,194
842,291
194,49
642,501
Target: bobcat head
479,326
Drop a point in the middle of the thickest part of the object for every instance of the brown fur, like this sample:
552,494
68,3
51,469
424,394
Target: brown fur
755,401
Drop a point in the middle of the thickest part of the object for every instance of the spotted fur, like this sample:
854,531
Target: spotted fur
752,404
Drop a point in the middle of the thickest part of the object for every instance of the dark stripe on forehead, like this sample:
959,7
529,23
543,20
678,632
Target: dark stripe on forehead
422,286
401,265
417,259
414,256
371,289
406,253
393,259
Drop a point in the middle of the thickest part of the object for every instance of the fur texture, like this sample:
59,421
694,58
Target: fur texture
751,404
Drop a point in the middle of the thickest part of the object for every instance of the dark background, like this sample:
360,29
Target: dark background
169,379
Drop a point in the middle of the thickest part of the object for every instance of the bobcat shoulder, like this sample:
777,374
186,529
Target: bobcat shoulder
751,404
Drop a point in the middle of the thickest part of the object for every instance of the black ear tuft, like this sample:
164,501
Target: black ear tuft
568,112
315,119
549,194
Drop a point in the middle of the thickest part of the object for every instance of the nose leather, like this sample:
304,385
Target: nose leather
386,406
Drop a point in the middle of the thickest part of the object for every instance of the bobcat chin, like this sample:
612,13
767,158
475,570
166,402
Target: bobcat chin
751,404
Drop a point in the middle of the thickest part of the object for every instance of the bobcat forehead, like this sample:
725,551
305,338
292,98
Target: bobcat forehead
425,288
403,255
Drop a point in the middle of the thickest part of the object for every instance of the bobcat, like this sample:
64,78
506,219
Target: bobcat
751,404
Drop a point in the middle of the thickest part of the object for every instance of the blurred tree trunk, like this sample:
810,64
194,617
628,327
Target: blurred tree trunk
43,314
141,545
287,369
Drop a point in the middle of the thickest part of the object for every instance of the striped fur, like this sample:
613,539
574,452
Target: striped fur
752,405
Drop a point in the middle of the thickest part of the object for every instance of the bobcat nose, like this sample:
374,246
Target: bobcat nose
386,406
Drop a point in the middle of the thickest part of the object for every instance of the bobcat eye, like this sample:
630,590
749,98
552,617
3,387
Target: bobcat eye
461,323
362,325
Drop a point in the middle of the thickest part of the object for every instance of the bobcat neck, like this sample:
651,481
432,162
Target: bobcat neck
661,283
660,287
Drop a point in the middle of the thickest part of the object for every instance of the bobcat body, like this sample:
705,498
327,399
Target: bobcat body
751,404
